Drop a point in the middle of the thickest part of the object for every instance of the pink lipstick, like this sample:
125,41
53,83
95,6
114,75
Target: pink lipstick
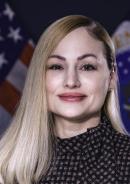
72,97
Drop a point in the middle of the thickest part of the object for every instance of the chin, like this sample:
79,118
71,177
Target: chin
71,116
71,113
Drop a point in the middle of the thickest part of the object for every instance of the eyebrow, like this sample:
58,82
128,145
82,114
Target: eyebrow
87,55
57,56
79,58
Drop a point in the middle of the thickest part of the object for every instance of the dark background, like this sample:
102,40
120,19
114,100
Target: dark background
36,15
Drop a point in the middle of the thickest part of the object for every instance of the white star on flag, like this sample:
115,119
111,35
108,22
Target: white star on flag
125,71
8,12
14,33
2,60
128,59
120,64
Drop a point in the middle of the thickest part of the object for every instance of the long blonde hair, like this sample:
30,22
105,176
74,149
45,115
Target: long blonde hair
26,148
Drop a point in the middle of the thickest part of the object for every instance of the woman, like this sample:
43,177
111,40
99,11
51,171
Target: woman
67,128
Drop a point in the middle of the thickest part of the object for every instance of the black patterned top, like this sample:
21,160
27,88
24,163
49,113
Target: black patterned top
101,155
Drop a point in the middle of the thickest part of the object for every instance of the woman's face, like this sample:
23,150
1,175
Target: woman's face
77,77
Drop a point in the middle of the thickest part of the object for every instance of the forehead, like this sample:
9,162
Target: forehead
79,41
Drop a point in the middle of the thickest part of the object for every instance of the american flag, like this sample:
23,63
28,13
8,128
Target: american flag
121,38
16,49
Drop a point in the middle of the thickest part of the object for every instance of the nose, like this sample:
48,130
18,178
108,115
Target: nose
72,79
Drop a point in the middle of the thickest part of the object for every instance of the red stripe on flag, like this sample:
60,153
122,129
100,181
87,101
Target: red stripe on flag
26,54
9,96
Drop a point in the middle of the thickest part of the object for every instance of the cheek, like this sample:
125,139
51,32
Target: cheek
97,85
102,87
52,83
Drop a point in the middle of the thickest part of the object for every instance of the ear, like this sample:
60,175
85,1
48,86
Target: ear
113,80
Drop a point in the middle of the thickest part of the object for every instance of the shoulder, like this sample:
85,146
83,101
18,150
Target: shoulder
121,141
122,146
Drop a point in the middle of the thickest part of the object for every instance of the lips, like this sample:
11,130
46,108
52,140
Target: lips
72,97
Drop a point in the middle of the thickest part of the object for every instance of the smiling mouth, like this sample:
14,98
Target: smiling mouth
72,98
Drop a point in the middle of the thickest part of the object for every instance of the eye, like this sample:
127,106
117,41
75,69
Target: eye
88,67
55,67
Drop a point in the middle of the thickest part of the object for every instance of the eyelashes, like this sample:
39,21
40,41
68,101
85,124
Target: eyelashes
88,67
85,67
55,67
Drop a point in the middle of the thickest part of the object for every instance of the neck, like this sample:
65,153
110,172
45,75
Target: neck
65,128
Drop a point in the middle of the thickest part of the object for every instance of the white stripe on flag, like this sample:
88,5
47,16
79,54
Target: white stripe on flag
17,75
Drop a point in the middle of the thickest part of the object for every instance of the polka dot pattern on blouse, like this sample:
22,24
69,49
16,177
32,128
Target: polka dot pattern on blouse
101,155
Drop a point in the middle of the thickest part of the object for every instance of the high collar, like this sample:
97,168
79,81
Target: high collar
92,139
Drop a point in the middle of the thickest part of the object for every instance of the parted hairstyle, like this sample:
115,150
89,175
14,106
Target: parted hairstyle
26,148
